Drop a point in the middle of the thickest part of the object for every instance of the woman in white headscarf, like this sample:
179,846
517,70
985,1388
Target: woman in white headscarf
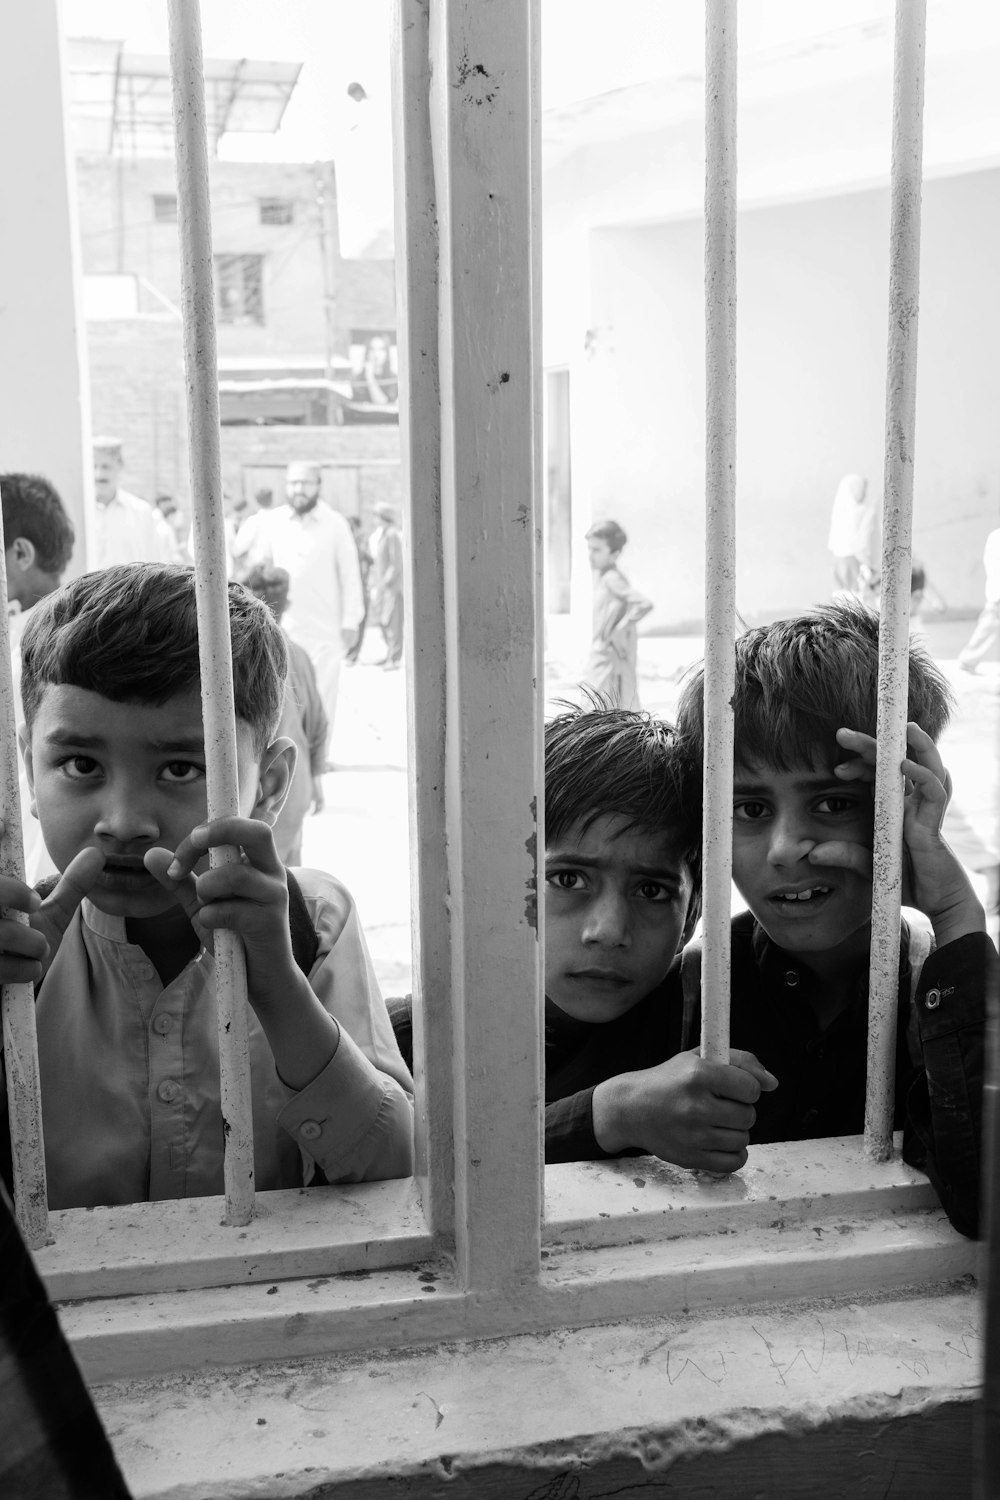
855,540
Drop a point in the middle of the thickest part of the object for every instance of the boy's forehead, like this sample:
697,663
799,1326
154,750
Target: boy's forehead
615,836
751,772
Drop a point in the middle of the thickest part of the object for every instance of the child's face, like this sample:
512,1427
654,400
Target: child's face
615,907
124,778
806,906
601,556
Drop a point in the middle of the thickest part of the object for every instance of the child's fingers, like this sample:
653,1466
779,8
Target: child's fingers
184,889
249,834
843,854
738,1058
18,896
75,882
925,753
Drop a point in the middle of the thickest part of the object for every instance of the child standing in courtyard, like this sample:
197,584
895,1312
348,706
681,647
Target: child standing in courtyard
611,670
120,951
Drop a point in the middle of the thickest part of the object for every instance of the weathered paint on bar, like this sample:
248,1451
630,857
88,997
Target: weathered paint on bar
900,429
215,645
20,1043
720,528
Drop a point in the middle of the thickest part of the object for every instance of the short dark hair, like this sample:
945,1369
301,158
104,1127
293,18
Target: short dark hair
610,532
602,761
130,633
32,509
800,680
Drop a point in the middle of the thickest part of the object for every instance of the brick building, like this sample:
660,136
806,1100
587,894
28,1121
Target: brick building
293,320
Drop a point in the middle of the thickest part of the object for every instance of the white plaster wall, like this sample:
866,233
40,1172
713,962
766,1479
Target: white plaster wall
812,338
43,397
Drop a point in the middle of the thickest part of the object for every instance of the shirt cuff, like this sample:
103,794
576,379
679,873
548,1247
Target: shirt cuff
353,1121
951,992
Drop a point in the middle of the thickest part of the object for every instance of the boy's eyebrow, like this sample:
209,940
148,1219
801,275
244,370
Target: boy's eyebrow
819,782
592,861
184,745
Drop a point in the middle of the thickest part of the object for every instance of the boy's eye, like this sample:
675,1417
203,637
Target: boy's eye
836,803
654,890
78,767
182,770
565,880
750,811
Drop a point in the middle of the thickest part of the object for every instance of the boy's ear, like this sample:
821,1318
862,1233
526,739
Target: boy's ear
277,767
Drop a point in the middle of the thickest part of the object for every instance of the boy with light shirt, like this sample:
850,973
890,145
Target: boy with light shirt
120,951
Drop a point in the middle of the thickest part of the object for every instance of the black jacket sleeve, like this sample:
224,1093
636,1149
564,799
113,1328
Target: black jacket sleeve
942,1134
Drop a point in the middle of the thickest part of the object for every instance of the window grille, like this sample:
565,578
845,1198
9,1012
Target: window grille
165,208
466,142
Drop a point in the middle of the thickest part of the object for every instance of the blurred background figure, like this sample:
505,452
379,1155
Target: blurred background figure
178,523
250,545
365,564
315,546
302,720
924,600
386,544
987,628
38,544
611,670
855,540
126,529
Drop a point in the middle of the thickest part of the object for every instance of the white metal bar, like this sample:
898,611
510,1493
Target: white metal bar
900,431
20,1043
484,78
215,644
426,674
720,504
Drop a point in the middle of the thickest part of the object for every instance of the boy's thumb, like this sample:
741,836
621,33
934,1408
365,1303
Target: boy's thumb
750,1064
75,882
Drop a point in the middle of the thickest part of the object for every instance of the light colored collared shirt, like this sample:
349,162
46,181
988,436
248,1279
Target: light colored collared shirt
130,1070
127,530
317,551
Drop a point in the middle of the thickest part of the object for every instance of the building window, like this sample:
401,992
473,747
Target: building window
276,210
164,208
239,288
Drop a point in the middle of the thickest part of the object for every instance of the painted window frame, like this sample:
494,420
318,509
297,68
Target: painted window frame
468,1248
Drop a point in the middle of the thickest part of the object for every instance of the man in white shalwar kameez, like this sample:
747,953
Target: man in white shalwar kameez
315,546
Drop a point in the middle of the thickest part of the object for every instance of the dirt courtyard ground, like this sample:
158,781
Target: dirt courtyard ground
362,836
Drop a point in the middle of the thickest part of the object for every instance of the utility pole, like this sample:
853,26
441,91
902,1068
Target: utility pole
328,289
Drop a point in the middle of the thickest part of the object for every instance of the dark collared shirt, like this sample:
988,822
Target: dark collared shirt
821,1073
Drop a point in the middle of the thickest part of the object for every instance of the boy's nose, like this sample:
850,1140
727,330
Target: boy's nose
791,840
607,923
125,817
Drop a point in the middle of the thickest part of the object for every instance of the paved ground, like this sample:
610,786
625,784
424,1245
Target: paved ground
361,836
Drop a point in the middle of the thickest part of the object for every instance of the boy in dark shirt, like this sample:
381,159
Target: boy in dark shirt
802,860
623,878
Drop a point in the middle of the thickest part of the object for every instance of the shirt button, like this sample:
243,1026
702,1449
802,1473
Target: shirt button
791,978
144,971
932,999
310,1130
168,1090
162,1024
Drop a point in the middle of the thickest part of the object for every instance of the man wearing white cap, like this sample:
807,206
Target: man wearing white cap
126,529
315,546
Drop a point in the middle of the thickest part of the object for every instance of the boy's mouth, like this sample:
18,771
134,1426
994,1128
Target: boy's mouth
800,897
124,874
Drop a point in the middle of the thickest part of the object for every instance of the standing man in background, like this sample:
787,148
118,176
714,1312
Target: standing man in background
386,544
315,546
856,541
126,529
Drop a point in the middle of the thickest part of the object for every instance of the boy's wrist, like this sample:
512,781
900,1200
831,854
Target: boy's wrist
611,1114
